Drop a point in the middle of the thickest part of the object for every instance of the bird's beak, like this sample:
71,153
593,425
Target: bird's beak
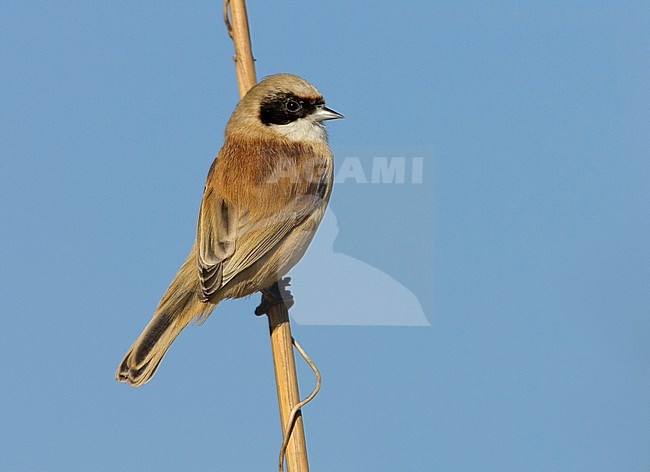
324,113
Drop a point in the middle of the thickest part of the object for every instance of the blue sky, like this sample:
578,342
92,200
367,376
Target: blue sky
526,244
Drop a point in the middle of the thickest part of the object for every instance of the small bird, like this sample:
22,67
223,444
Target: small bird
263,200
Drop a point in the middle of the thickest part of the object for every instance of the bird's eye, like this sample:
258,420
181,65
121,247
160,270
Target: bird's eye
293,106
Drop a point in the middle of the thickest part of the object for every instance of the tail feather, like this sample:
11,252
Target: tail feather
178,306
141,361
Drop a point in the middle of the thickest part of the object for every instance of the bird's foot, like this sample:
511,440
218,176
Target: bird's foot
274,294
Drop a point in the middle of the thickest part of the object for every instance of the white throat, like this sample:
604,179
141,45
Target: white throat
302,130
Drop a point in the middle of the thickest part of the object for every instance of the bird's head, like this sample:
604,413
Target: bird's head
284,105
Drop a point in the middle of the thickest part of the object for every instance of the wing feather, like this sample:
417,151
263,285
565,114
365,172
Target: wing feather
229,241
216,234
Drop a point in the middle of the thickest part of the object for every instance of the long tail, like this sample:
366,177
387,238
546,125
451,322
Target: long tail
178,306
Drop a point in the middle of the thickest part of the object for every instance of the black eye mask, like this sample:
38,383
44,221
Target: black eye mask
285,108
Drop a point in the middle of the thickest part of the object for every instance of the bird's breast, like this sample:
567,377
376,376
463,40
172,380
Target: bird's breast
266,175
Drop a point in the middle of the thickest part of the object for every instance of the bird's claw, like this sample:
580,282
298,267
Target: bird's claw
274,294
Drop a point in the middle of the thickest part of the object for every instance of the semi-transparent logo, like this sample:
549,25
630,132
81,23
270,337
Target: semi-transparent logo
371,261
